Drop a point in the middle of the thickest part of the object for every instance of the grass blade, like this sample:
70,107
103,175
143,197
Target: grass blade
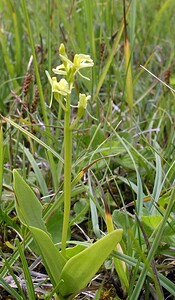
1,163
157,183
37,171
10,290
109,59
28,279
153,249
43,107
128,65
10,270
165,282
27,133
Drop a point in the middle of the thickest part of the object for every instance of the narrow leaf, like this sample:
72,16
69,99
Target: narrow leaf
158,182
10,290
27,275
32,136
110,58
129,83
81,268
154,247
36,169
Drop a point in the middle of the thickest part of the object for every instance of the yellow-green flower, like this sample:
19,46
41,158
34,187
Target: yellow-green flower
82,61
61,87
70,68
58,87
83,99
82,104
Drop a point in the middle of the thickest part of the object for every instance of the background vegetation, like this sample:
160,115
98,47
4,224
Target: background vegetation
127,132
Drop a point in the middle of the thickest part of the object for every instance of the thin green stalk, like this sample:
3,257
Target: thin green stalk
67,173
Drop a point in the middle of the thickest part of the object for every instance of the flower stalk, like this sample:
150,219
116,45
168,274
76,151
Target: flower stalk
62,90
67,173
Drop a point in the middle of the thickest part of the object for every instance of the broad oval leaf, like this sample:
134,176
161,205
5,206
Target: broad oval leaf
27,205
81,268
52,258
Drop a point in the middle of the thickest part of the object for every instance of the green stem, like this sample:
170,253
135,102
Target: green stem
67,174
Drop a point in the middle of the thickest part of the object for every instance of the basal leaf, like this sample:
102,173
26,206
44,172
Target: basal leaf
81,268
52,258
72,251
151,221
27,205
55,225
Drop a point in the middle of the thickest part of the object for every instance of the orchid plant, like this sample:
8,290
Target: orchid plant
68,275
64,88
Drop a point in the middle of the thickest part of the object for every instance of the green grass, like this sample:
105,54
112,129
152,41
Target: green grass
127,134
